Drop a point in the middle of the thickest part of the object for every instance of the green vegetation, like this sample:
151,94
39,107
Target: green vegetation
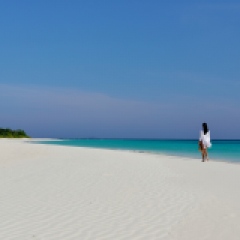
9,133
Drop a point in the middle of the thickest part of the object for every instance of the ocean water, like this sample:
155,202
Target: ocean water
221,150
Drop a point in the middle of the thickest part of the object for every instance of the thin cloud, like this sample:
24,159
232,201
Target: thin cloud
208,13
58,112
221,6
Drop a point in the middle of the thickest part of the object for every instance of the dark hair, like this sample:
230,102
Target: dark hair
205,128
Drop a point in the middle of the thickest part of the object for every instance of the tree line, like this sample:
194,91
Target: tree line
9,133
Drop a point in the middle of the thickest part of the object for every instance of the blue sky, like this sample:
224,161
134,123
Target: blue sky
154,69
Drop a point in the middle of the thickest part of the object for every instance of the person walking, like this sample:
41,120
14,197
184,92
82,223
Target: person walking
204,142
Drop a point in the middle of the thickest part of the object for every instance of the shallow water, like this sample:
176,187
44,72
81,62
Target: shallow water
225,150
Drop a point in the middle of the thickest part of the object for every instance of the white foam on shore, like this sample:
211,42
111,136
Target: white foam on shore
66,193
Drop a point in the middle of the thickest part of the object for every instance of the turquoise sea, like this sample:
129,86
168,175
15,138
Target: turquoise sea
223,150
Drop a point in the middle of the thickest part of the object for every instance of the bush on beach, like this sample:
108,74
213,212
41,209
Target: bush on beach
9,133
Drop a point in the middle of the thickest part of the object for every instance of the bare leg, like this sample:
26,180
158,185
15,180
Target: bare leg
206,155
203,155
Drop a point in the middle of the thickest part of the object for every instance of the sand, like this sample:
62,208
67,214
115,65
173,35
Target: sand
68,193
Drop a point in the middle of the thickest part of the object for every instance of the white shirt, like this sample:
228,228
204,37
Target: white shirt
205,139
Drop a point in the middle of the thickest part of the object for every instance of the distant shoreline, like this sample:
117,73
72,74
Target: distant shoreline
140,139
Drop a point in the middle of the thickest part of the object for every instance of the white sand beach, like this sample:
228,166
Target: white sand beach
52,192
